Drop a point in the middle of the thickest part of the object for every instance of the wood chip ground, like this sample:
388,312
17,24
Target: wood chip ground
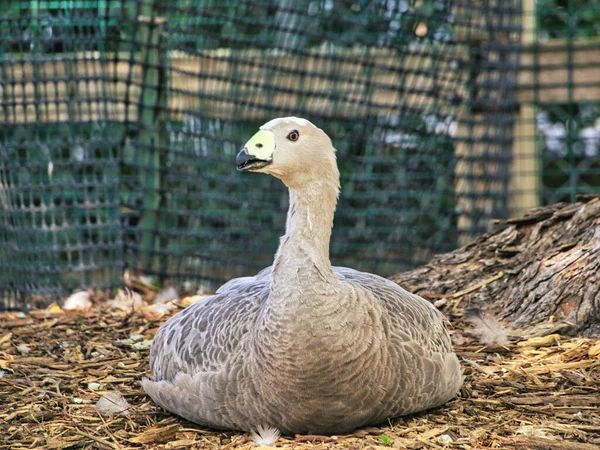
55,366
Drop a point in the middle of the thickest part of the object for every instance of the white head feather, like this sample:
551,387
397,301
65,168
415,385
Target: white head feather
296,120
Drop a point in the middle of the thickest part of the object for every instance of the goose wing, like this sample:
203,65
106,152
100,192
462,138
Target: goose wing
204,336
407,312
430,369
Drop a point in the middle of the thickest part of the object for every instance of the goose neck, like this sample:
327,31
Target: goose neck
304,249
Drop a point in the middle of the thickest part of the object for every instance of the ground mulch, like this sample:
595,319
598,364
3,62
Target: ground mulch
537,393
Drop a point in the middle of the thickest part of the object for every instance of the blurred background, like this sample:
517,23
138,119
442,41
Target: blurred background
120,121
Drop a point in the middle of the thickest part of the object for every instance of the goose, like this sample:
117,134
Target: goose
303,347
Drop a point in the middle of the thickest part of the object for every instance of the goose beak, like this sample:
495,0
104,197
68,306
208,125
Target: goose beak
257,153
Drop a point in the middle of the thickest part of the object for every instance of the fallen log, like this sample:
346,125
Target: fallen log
539,273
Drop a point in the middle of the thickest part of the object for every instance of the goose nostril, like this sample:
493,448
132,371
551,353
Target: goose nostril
259,145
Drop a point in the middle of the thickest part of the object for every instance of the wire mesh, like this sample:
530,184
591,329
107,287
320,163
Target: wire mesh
557,155
120,122
59,152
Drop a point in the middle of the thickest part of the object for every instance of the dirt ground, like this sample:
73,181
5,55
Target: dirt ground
541,393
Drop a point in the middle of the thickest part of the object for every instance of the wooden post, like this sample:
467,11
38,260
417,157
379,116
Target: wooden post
153,134
525,172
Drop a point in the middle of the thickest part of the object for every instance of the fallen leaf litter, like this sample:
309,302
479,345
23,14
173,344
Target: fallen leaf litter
71,379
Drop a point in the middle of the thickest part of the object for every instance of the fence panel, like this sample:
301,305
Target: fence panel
133,111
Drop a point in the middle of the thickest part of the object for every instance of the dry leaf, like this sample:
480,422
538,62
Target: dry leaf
111,404
158,311
147,343
23,349
6,338
530,430
433,432
542,341
188,301
127,300
180,443
79,301
54,308
594,350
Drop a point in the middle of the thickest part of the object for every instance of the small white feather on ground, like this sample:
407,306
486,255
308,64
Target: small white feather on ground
486,327
265,436
111,404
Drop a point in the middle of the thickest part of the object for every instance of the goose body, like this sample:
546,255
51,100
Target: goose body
303,346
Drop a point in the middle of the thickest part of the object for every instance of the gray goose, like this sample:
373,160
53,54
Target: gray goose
302,346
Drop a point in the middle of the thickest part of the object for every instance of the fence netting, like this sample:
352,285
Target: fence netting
120,121
564,72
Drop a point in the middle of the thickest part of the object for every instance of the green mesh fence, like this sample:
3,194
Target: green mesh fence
557,151
60,152
568,120
120,122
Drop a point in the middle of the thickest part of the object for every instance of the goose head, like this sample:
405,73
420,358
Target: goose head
291,149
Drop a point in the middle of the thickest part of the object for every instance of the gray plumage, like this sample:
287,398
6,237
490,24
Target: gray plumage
303,346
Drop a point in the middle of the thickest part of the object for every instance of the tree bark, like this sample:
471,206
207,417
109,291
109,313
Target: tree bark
539,273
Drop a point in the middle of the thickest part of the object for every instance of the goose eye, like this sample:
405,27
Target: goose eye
293,136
